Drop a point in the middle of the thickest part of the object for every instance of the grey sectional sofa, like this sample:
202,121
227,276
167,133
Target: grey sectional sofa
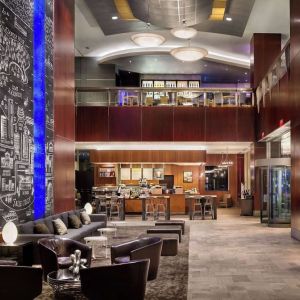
26,230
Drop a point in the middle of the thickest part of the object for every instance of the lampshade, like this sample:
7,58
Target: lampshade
9,233
184,32
148,39
189,53
88,208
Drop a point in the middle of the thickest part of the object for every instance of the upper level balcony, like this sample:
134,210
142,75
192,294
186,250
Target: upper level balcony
173,97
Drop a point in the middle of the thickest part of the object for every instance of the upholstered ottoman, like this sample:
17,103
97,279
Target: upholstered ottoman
170,243
171,223
166,230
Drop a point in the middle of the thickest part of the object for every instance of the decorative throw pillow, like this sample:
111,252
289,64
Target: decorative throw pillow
41,228
85,218
74,222
59,226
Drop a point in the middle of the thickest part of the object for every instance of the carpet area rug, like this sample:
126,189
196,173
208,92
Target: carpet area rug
172,280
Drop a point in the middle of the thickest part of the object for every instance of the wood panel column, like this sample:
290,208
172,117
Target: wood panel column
294,91
64,106
264,47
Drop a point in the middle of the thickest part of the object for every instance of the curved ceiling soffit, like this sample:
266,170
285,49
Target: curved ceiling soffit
212,55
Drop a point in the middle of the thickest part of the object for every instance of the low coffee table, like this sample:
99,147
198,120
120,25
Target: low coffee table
96,240
166,230
64,285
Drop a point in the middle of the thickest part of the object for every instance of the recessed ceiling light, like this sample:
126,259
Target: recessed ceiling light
228,19
115,17
130,61
246,73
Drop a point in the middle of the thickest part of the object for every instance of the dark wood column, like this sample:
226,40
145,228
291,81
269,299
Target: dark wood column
294,92
64,106
265,47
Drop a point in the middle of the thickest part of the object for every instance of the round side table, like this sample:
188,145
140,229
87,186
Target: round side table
96,240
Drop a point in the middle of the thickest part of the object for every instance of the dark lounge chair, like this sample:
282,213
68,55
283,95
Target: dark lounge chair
148,247
20,282
115,282
55,253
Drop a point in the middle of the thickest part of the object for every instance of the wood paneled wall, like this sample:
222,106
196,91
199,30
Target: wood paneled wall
265,47
64,106
283,104
165,124
294,107
144,156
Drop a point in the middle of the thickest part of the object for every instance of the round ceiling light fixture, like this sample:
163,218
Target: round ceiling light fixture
184,32
148,39
189,53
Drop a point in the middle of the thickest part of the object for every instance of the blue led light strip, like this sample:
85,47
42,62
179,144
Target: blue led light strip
39,178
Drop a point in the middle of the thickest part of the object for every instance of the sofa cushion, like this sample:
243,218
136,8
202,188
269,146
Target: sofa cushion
41,228
74,222
59,227
85,218
64,216
26,228
48,222
76,234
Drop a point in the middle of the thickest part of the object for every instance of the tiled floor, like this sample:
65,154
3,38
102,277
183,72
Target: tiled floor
239,258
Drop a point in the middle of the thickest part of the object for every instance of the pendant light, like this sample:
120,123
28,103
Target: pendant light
147,39
188,54
183,31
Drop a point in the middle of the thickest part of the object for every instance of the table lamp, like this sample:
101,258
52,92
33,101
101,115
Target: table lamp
9,233
88,208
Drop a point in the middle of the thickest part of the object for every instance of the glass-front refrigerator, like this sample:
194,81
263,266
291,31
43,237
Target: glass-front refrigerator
280,195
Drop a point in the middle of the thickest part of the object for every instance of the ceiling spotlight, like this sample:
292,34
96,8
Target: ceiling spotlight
189,53
115,17
228,19
184,32
148,39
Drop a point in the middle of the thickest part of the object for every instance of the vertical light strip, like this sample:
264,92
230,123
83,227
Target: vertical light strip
39,178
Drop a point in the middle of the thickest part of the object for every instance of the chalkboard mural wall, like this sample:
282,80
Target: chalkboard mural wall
16,110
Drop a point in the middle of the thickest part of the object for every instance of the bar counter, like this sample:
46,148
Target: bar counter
179,203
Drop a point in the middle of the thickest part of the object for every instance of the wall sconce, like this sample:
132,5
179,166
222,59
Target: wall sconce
9,233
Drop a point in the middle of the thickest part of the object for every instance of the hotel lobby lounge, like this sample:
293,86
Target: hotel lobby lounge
149,149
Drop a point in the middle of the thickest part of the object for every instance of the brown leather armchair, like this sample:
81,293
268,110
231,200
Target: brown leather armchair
115,282
144,248
55,253
20,282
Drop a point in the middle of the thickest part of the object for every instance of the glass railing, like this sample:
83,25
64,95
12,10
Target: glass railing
213,97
